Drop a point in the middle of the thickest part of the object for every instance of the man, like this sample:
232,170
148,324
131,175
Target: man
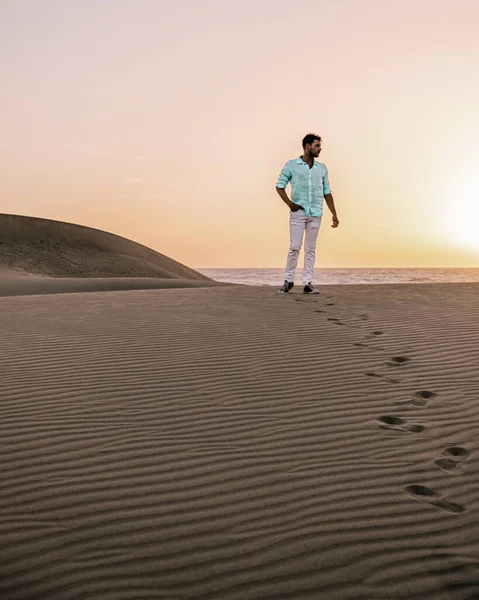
310,184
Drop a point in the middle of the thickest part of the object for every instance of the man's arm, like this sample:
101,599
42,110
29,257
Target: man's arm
330,202
283,180
329,198
284,197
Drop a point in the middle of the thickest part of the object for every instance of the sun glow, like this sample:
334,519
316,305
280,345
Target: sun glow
462,223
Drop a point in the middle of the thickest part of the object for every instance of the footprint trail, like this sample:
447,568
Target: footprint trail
425,494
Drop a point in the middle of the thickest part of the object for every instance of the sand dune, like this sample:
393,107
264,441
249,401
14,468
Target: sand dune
233,444
30,245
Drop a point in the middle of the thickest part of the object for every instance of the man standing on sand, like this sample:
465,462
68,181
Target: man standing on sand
310,184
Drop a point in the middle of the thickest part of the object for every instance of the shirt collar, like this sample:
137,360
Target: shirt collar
300,161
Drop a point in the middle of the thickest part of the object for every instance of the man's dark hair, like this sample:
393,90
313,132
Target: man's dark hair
310,138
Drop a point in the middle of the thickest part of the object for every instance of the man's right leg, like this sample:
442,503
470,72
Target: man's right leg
297,223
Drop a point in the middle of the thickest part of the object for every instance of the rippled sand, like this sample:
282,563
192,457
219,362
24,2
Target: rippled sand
229,443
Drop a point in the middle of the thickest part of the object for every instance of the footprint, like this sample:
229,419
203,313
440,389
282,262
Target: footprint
392,422
364,317
373,334
420,399
424,395
453,456
319,311
425,494
396,361
330,304
371,374
335,321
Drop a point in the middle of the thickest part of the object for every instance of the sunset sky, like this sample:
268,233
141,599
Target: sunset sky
168,123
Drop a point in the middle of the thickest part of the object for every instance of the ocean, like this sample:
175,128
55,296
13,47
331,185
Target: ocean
275,277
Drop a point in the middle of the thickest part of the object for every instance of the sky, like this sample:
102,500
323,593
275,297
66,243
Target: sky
168,123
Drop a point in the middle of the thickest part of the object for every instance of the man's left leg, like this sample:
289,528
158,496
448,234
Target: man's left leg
311,235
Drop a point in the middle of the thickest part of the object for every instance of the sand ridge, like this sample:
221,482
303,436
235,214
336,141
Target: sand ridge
231,443
33,285
58,249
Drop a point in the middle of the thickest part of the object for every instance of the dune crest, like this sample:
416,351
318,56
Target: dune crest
31,245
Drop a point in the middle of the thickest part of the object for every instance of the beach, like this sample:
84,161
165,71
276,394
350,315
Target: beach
230,443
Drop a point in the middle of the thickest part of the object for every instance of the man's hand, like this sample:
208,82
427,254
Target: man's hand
284,197
335,221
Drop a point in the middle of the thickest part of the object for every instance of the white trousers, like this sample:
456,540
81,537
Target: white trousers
299,223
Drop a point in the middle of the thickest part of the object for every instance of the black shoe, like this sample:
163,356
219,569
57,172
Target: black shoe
310,289
287,286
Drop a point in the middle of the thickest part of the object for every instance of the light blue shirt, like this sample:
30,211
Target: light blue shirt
309,186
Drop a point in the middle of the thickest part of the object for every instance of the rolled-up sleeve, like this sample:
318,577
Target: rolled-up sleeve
326,187
284,177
